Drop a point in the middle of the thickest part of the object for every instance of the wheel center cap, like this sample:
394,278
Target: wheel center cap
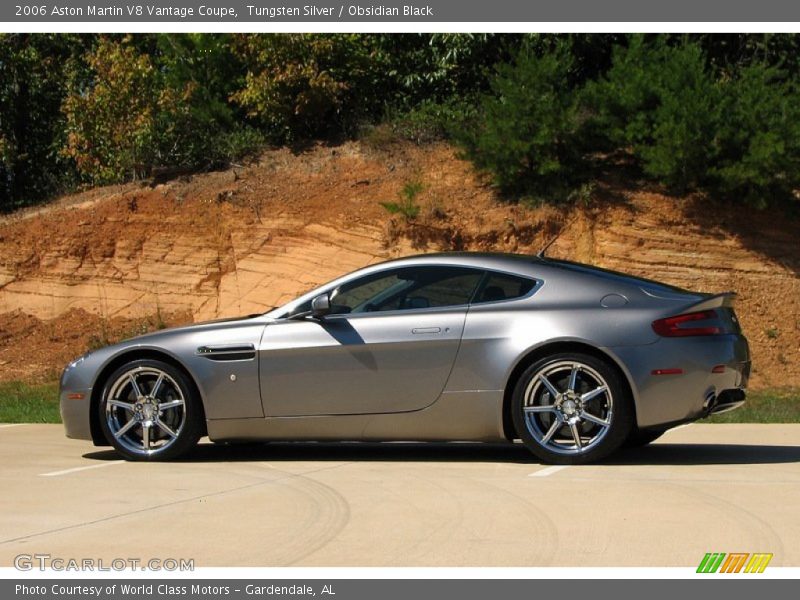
568,407
147,409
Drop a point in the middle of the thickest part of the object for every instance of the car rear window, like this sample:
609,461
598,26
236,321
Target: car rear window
501,286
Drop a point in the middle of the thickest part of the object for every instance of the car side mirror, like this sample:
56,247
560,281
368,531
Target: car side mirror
321,305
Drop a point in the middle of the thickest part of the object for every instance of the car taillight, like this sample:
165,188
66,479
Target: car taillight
684,325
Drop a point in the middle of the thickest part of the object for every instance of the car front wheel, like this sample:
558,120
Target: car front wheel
572,409
149,410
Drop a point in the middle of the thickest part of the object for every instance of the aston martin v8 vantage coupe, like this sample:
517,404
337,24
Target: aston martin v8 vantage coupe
572,360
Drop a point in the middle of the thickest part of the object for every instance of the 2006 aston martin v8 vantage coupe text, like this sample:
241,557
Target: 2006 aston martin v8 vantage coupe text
573,360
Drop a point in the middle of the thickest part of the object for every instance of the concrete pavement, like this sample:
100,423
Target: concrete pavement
701,488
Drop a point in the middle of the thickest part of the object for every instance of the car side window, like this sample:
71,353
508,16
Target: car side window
407,288
501,286
359,295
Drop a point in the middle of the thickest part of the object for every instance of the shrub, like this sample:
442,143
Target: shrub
440,67
301,86
407,206
734,137
184,140
110,125
133,111
234,145
429,122
32,87
204,130
757,144
661,102
525,133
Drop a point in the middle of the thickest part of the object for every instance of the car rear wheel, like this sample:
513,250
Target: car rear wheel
149,410
571,409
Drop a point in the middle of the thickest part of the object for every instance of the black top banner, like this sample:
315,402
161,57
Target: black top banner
433,11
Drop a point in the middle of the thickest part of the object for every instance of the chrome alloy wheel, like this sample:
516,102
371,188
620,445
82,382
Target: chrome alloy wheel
568,407
145,410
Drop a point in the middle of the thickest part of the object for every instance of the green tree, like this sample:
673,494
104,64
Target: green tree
728,53
660,101
207,130
111,124
756,153
32,86
301,86
730,131
441,67
525,134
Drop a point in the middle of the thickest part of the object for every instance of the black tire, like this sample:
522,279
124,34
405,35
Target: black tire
173,428
641,437
535,411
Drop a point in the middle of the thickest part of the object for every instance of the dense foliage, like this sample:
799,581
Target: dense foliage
111,124
32,125
525,134
734,134
714,113
660,102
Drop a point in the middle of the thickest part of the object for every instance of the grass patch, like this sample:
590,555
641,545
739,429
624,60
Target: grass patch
765,406
29,402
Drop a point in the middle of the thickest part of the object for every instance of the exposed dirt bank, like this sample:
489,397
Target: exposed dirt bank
97,266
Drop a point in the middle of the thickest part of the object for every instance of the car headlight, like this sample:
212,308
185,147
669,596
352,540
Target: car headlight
76,362
71,366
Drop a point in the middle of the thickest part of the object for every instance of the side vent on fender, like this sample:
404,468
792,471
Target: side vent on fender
228,352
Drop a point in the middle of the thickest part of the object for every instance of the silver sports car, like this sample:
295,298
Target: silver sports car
573,360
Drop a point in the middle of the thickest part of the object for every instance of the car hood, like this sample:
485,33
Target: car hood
195,327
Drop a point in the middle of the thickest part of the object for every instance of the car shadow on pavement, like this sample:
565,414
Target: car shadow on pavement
348,451
706,454
655,454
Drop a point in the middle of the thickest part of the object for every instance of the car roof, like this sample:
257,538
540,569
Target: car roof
495,260
535,267
529,265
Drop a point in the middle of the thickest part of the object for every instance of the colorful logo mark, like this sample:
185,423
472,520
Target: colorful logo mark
735,562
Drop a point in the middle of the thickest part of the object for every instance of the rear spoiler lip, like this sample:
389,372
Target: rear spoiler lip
722,300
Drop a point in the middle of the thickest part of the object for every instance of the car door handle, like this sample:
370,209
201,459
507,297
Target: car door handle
420,330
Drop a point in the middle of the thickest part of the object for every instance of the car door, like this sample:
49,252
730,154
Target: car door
388,345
